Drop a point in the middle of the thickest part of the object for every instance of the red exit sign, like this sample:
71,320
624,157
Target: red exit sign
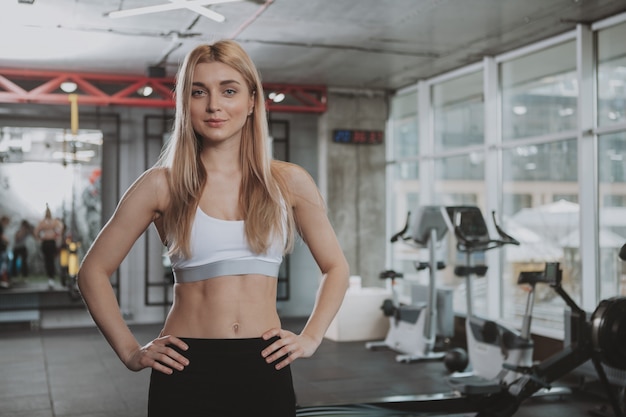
365,137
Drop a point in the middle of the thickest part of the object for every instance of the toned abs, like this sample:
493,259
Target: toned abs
227,307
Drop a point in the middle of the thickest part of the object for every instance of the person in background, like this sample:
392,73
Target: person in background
49,231
227,213
5,281
19,263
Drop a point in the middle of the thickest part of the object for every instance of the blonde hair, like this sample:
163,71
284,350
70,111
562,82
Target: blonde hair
264,198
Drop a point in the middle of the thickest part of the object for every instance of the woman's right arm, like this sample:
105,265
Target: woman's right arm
139,207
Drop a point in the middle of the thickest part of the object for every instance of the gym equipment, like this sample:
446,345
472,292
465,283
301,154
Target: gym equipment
599,338
489,344
69,263
412,328
456,360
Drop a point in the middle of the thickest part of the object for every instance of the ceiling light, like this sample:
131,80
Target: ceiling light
26,1
69,86
520,110
276,97
193,5
145,91
615,155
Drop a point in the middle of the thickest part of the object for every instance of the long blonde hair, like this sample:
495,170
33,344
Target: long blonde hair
264,198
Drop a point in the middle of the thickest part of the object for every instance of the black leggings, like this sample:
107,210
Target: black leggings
49,249
224,378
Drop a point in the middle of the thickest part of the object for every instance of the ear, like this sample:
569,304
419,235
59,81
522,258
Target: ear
251,103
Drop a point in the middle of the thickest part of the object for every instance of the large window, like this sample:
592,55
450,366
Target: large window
510,136
459,112
611,104
539,177
539,93
612,231
403,171
612,75
540,192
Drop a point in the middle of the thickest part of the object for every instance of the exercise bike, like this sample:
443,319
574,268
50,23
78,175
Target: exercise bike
489,344
413,328
598,337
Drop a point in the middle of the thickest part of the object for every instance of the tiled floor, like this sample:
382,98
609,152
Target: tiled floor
71,373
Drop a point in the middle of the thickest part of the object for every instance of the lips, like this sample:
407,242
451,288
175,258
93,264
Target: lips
214,122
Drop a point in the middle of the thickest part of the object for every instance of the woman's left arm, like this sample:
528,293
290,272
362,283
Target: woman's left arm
316,231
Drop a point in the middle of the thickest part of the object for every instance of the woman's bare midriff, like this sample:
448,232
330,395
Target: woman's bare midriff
228,307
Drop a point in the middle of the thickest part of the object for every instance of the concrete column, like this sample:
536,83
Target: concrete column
354,181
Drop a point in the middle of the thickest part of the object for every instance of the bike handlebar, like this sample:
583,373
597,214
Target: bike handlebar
465,244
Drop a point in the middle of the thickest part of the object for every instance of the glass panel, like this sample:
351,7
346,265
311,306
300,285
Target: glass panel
48,168
459,180
405,199
539,93
403,176
405,137
404,105
612,166
405,126
458,107
535,180
612,75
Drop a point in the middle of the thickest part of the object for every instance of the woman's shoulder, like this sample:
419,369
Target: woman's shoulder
293,174
299,182
154,177
152,185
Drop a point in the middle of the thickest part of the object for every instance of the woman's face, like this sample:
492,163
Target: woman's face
220,102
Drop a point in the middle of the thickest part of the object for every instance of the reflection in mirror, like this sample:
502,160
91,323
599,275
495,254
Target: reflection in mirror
43,168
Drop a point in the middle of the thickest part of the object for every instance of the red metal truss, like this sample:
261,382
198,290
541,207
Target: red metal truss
298,98
35,86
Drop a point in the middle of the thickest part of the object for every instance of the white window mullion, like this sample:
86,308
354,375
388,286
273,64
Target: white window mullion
587,168
426,145
492,182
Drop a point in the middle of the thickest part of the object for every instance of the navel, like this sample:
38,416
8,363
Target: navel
236,327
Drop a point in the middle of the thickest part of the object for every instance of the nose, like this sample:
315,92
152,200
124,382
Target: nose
212,104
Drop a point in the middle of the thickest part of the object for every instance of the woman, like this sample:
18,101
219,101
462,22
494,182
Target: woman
227,214
5,281
20,248
49,231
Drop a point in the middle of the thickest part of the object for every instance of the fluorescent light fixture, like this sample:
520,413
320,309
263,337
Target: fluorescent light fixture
69,86
79,156
193,5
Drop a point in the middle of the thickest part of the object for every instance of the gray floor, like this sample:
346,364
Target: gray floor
65,373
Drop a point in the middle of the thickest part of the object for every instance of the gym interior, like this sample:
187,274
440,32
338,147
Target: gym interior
471,157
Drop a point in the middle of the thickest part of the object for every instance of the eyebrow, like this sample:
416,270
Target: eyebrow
225,82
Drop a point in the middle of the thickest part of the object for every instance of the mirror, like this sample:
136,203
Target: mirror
44,168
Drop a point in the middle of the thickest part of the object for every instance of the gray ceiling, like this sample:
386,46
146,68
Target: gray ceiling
377,44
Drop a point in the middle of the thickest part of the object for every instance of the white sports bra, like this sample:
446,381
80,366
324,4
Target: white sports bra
219,247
